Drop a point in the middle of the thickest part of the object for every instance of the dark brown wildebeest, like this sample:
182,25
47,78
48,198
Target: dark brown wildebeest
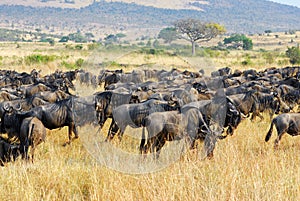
54,115
285,123
57,115
28,130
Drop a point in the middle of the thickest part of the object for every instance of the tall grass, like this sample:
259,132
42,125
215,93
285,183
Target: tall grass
244,167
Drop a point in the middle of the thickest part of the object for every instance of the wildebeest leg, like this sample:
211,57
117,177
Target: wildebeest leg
24,151
101,120
32,152
158,143
121,132
228,132
24,145
113,129
144,147
254,114
72,129
209,145
276,143
75,131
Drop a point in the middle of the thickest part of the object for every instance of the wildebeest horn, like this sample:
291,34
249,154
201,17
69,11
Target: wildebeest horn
244,116
6,107
14,146
232,110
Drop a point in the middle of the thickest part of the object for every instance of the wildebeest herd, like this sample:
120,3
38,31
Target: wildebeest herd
170,105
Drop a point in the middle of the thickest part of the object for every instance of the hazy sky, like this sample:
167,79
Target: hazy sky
289,2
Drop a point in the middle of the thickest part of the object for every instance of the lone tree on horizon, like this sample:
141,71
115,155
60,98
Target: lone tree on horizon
194,30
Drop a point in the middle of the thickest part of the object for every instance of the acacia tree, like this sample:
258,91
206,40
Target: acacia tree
194,30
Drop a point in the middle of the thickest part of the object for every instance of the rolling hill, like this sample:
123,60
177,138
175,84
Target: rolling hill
102,18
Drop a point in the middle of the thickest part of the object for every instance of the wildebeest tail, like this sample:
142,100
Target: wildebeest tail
268,136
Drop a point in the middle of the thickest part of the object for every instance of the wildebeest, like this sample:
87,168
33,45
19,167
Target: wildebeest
221,72
133,114
172,125
285,123
52,96
57,115
256,102
106,101
29,131
161,127
22,104
32,133
219,113
29,90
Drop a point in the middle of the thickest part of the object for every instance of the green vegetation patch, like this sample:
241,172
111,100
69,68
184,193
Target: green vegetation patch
73,65
39,59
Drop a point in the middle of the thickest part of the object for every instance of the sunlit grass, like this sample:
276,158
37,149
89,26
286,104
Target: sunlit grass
244,167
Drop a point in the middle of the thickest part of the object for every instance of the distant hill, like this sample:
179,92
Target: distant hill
102,18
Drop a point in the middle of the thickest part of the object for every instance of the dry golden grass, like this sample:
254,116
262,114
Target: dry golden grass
244,167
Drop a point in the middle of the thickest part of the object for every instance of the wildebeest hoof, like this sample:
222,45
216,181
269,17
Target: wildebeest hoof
66,143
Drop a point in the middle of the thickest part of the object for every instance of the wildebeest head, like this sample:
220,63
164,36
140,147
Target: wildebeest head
279,105
233,117
10,121
102,100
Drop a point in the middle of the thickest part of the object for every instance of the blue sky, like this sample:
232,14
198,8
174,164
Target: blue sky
289,2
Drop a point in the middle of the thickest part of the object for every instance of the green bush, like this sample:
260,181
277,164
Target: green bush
293,53
70,65
38,59
79,62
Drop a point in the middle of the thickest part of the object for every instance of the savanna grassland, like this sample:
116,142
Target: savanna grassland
244,167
